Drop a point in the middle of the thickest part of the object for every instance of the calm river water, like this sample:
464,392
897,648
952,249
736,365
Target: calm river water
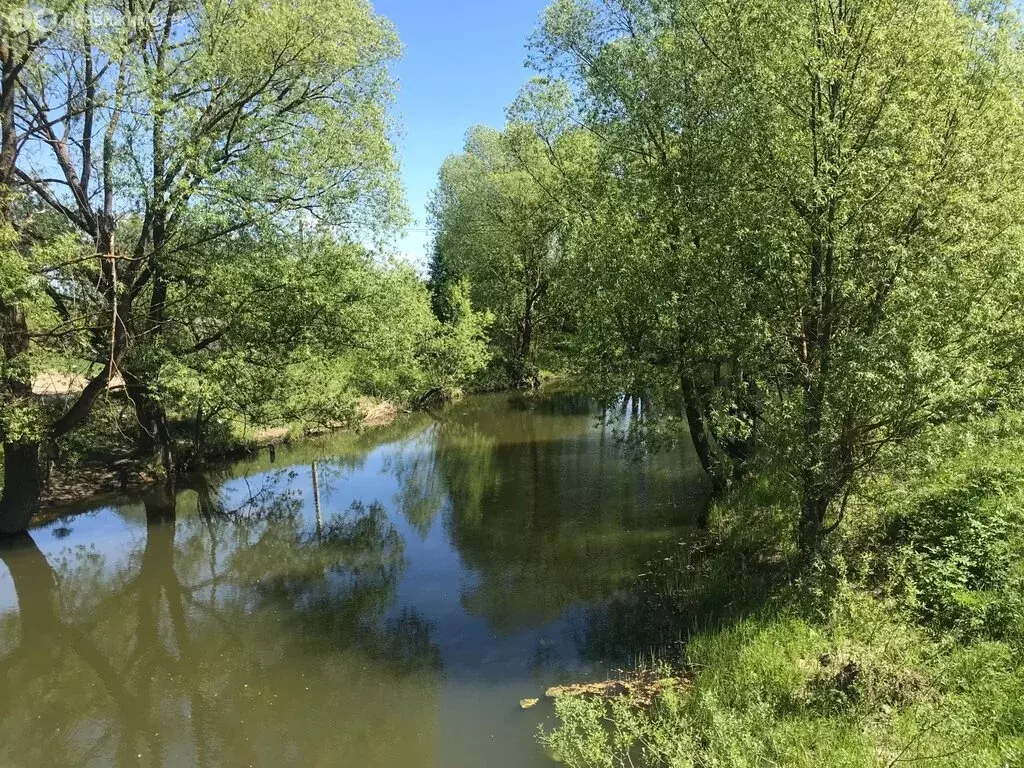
375,600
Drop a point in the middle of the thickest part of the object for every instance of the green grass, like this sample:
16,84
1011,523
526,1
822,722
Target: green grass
902,645
864,688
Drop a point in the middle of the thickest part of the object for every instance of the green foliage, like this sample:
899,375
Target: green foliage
902,643
785,203
617,734
310,325
197,155
457,351
108,434
941,532
499,238
215,174
963,547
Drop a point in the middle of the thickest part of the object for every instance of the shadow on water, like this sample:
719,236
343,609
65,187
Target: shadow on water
701,584
559,404
387,599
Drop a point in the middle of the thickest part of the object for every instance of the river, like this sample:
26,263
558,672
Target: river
383,599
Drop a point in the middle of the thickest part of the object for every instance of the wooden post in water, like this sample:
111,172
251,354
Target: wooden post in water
316,502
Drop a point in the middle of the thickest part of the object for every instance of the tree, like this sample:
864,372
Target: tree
20,430
498,229
246,320
661,312
829,183
273,331
884,167
154,135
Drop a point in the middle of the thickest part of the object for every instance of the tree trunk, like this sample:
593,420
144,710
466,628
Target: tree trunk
526,343
22,473
812,519
198,440
23,484
154,432
522,374
698,430
817,340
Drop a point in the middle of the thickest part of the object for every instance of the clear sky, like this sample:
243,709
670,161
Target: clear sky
463,64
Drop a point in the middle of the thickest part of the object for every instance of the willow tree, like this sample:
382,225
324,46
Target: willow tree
883,197
269,116
842,178
151,135
662,310
497,223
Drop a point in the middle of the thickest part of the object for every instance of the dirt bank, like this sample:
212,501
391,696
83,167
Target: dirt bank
89,481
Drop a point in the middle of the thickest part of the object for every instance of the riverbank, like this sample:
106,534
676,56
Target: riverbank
112,474
903,643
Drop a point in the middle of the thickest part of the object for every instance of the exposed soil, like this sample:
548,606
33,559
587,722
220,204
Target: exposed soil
377,413
57,383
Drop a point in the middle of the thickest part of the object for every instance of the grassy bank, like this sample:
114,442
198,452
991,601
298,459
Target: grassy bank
901,644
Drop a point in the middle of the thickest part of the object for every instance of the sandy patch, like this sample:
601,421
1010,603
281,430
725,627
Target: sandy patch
66,383
377,413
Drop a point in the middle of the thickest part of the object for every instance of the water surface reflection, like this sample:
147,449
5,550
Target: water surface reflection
380,600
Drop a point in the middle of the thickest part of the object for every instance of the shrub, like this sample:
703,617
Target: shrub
961,545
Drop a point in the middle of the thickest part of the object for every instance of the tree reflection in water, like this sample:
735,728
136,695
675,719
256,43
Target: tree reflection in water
544,510
247,657
297,612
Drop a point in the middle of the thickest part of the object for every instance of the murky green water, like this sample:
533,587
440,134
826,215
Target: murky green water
383,600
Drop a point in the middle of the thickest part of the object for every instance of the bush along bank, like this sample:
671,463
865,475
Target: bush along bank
902,643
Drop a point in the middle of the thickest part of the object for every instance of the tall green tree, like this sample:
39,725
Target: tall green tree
837,188
498,229
884,167
22,253
660,310
151,135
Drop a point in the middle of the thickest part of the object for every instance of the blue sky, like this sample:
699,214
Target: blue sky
463,64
